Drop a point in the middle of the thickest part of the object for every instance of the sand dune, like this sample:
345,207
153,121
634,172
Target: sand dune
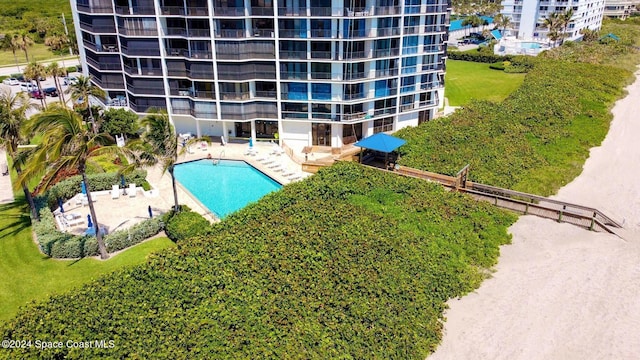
560,292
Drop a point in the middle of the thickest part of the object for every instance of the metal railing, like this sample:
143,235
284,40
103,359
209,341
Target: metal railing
387,10
292,54
95,9
262,11
246,55
140,51
172,10
135,10
266,94
234,33
131,70
137,32
147,90
247,75
228,11
235,95
388,31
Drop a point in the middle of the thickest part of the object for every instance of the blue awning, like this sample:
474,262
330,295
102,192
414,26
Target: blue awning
496,34
381,142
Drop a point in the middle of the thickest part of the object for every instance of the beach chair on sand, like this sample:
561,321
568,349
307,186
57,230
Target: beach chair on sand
132,190
115,192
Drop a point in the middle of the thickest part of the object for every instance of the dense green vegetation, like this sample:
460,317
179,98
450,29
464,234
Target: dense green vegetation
351,263
15,13
27,275
471,80
535,141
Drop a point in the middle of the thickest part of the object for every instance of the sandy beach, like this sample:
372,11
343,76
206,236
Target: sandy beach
560,292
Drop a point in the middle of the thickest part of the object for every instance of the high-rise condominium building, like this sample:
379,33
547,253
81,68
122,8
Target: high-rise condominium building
620,9
317,72
527,16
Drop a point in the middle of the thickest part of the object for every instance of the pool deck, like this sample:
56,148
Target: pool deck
123,212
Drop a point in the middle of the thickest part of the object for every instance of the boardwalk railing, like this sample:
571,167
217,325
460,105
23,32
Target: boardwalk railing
528,204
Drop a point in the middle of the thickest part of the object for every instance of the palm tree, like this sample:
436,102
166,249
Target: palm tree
36,71
56,71
23,41
67,144
81,91
502,21
161,145
13,109
9,44
553,23
565,20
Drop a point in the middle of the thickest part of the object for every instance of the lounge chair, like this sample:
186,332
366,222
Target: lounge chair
132,190
276,166
269,160
115,191
287,172
250,151
295,176
72,219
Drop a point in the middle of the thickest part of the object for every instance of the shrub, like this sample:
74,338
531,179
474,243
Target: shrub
476,57
186,224
62,245
497,66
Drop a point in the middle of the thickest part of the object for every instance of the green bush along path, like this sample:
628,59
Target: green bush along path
350,263
466,80
29,275
534,141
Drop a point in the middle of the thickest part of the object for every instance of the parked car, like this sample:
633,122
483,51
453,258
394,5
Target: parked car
50,91
36,94
28,87
11,81
68,80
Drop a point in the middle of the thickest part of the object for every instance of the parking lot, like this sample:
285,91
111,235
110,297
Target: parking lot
47,83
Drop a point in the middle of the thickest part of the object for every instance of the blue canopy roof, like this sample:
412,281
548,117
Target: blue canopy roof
496,34
381,142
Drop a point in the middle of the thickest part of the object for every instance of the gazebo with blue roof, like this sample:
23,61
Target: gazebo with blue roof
380,142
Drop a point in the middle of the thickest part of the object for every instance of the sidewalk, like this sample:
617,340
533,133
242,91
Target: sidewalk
6,191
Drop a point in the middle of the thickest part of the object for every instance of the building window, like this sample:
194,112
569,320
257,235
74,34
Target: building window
321,91
382,125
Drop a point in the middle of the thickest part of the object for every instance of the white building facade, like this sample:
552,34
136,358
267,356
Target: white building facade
314,72
620,9
527,16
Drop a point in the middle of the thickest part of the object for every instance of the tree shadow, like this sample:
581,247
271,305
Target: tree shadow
16,218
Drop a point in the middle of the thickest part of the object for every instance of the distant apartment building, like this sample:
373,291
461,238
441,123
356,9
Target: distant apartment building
528,16
316,72
620,9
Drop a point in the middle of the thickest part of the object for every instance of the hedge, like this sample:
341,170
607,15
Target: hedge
520,61
186,224
63,245
350,263
68,188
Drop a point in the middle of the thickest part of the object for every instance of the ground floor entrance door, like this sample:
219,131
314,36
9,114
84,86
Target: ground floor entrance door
320,134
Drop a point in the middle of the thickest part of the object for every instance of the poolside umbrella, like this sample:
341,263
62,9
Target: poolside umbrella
89,223
150,212
83,188
60,205
251,142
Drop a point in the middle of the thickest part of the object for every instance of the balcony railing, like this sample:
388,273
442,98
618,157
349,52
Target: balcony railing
295,114
286,11
100,48
135,10
103,66
200,54
234,33
199,32
321,33
385,111
320,54
234,95
208,75
181,91
433,48
197,11
204,114
146,90
321,11
176,31
178,72
268,33
137,32
172,10
247,75
357,12
132,70
140,51
293,54
266,94
293,33
435,28
322,75
180,52
95,9
387,10
387,72
249,115
296,76
110,29
262,11
386,52
353,96
355,75
246,55
355,55
116,85
409,30
228,11
388,31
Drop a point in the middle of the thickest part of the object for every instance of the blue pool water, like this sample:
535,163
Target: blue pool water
530,45
226,187
457,24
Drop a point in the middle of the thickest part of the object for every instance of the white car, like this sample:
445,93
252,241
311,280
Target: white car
69,80
28,87
11,81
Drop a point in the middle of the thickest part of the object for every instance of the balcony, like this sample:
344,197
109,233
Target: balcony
228,11
321,55
267,33
387,10
293,76
293,54
95,9
181,91
321,11
178,52
349,55
140,51
137,32
207,75
100,48
266,94
135,10
247,75
386,52
178,72
353,96
388,32
132,70
352,116
355,75
172,31
145,90
103,66
234,95
285,11
200,54
199,33
233,33
197,11
203,114
293,33
172,10
321,33
108,29
246,55
357,12
261,11
386,72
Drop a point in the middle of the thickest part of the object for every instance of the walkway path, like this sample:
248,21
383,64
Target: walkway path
12,69
6,191
560,292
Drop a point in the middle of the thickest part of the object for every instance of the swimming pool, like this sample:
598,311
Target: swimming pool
530,45
226,187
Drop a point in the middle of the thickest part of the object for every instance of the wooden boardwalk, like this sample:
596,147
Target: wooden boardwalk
523,203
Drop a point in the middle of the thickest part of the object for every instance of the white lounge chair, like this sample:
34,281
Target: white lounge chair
276,166
115,191
269,160
132,190
72,219
287,172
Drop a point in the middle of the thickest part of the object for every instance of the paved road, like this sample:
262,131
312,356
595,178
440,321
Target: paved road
6,192
12,69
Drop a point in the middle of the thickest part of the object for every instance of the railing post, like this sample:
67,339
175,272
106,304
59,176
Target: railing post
560,216
593,221
526,208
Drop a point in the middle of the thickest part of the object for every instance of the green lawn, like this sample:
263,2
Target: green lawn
37,52
466,80
29,275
